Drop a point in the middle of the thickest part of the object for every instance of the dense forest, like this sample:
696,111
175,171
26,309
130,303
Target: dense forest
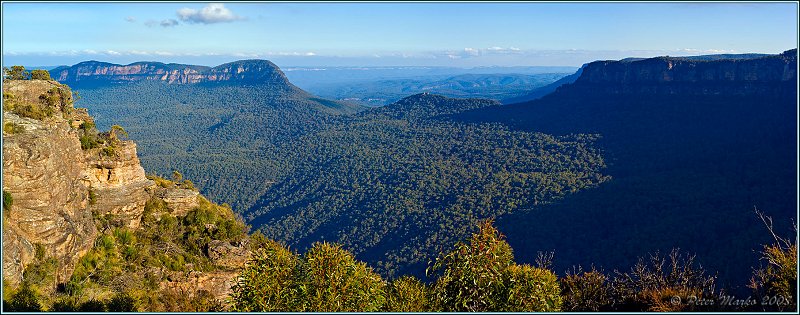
224,136
392,184
397,183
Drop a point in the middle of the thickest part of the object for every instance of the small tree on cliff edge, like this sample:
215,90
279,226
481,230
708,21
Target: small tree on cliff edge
16,73
40,75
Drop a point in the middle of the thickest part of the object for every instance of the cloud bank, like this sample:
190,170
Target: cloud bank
210,14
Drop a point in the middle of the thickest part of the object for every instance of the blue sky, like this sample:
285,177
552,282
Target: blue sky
379,34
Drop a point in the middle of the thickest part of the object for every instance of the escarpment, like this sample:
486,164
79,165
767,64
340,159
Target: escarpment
253,71
58,185
767,75
72,186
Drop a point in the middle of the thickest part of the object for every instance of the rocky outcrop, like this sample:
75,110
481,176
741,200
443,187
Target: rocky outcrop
42,170
767,75
217,284
224,254
67,181
118,183
179,201
58,187
254,71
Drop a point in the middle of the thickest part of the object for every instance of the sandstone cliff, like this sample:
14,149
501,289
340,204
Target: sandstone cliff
70,184
55,184
261,71
762,75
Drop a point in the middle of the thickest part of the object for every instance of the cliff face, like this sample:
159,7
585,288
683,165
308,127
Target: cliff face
56,186
100,72
71,184
690,76
42,170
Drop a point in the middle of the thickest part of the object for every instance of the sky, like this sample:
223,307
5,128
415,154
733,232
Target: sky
388,34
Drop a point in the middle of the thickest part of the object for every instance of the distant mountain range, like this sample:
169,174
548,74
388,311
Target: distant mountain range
615,161
381,92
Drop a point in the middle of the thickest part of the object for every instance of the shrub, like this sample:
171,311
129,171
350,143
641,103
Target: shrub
406,294
93,306
585,291
482,277
108,151
26,299
651,285
16,73
122,302
92,197
778,279
8,200
531,289
268,283
161,182
40,75
333,281
13,128
187,184
326,279
35,111
471,276
64,304
88,142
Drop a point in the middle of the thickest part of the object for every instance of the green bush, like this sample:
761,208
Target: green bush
531,289
26,299
109,151
65,304
406,294
89,142
326,279
13,128
16,73
8,200
471,276
482,277
35,111
122,302
333,281
92,197
92,306
40,75
269,282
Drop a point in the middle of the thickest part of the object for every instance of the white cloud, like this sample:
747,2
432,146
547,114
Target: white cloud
169,23
495,48
212,13
471,51
130,19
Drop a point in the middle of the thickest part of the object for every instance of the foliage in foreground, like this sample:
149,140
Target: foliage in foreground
479,275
